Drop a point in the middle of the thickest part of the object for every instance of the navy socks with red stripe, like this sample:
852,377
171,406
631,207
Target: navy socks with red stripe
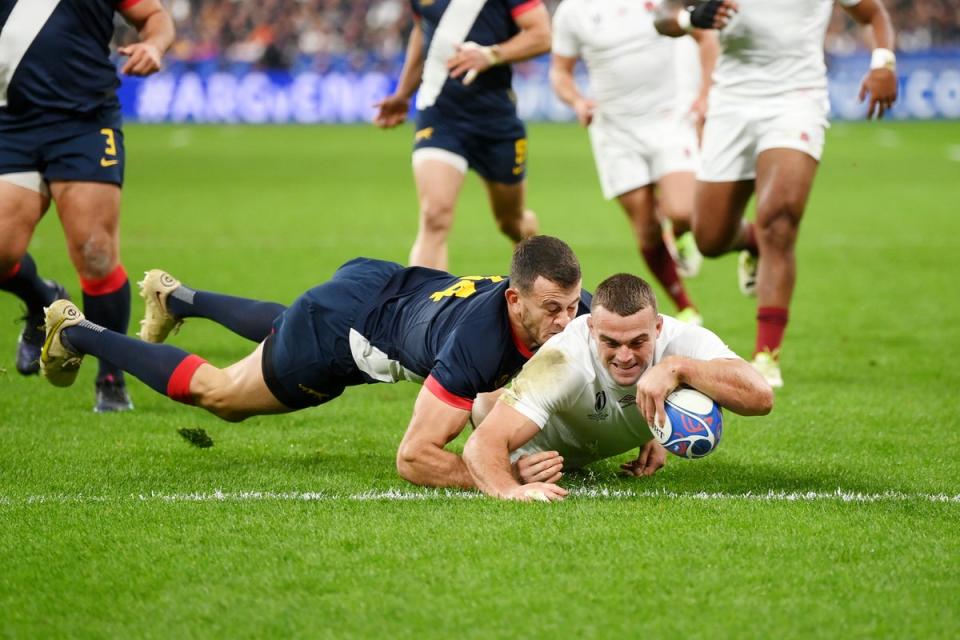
252,319
106,302
24,282
154,364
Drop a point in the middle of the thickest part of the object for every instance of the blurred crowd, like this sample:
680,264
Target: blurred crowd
319,34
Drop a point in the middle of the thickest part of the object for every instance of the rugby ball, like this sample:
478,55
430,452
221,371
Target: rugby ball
693,426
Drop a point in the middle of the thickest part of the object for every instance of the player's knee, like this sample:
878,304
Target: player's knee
96,257
436,217
777,227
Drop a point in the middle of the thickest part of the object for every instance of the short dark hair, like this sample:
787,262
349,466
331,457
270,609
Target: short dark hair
624,294
544,256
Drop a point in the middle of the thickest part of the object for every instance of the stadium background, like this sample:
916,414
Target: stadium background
323,61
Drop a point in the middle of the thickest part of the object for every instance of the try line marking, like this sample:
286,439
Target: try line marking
217,495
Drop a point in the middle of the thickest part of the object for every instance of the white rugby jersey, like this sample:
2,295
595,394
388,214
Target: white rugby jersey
628,62
771,47
581,411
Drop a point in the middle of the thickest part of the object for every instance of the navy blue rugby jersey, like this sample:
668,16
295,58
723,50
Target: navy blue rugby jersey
446,23
55,56
453,332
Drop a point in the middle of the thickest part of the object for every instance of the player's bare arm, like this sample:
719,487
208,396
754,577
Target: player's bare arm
709,47
421,458
674,19
155,28
487,456
732,383
880,83
392,110
565,86
532,40
651,459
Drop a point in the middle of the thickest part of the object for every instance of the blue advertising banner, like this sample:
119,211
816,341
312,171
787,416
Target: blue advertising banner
929,89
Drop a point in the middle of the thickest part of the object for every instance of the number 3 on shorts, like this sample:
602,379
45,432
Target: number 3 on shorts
109,149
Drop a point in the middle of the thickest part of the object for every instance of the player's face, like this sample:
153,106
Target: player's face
543,311
625,344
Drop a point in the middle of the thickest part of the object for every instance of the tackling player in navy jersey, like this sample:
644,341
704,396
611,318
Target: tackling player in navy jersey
374,321
61,139
459,55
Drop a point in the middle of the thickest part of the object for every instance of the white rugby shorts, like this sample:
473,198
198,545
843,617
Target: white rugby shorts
739,129
633,152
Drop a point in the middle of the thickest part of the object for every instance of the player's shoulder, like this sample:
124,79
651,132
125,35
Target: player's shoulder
572,346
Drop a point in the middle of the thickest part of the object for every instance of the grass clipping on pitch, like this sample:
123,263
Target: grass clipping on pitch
197,437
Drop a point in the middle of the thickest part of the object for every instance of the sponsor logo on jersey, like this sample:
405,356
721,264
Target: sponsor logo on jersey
627,401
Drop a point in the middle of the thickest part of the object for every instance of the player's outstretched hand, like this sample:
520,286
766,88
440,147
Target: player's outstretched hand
391,111
544,466
654,386
145,59
585,108
651,459
470,60
713,14
881,86
536,492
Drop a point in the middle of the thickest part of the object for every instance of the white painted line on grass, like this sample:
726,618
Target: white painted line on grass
217,495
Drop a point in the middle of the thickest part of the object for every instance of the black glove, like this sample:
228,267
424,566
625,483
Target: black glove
703,13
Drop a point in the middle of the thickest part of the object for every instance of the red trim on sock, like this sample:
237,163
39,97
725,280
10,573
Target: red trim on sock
9,274
178,386
664,269
105,286
519,10
771,325
454,401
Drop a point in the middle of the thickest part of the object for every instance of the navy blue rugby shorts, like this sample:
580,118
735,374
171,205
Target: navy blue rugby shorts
87,148
307,359
496,156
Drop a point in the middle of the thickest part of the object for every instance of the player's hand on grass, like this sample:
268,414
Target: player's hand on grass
391,111
144,59
470,60
584,108
536,492
651,459
654,386
881,86
544,466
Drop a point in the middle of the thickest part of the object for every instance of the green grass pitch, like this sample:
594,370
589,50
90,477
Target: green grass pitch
836,516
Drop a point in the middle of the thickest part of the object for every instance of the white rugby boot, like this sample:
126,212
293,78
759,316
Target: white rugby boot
59,363
747,273
767,364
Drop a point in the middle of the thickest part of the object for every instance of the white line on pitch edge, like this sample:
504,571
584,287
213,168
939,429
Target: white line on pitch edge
217,495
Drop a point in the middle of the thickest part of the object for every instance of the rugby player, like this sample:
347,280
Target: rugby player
764,134
61,139
644,145
590,392
374,321
459,55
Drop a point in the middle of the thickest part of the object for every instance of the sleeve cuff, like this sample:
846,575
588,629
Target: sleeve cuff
445,396
521,9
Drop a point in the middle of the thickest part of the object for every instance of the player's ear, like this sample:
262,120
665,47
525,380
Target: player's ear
659,323
512,295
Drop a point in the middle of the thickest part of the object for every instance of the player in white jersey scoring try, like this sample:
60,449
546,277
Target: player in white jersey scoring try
764,133
641,137
624,358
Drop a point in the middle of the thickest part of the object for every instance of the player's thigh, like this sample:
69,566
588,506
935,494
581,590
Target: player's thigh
21,208
675,194
90,215
247,389
438,182
717,211
784,181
